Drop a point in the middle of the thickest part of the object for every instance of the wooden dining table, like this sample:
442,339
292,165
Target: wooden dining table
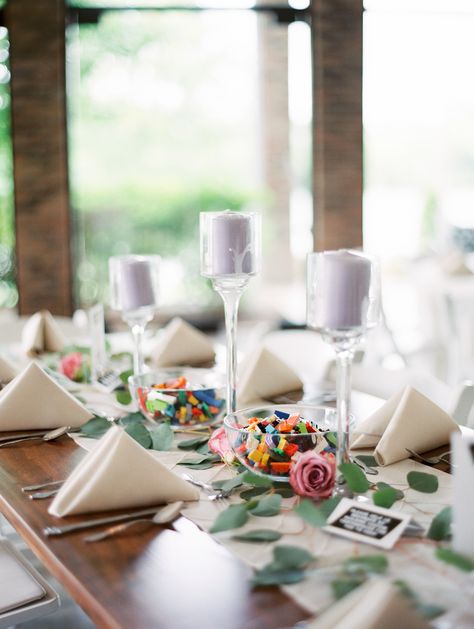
153,577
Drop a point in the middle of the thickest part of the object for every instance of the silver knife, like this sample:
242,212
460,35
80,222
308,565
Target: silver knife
23,435
50,531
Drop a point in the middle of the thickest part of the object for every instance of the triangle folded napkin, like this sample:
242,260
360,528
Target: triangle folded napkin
263,376
42,333
407,420
119,474
33,400
378,604
8,370
181,344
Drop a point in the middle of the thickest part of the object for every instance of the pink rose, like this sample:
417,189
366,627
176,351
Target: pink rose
313,475
71,366
219,444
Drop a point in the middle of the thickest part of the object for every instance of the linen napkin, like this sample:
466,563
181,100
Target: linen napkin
407,420
7,370
41,333
119,474
181,344
263,375
377,604
33,400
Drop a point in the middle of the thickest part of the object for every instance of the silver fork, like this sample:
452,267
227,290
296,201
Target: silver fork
432,460
214,494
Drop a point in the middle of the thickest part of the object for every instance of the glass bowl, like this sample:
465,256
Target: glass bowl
268,440
183,396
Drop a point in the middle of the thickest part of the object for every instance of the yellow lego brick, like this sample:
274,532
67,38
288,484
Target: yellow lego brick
255,456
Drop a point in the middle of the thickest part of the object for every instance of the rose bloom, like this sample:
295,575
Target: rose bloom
219,444
313,475
71,366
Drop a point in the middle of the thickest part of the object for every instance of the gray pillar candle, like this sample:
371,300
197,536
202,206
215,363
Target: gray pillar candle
229,244
463,493
136,284
345,290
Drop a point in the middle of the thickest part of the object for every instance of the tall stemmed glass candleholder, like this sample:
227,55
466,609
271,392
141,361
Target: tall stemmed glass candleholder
134,283
230,256
343,302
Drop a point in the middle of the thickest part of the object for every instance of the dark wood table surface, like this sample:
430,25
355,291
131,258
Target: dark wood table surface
155,577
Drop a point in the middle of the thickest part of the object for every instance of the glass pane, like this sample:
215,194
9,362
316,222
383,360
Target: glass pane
173,113
8,291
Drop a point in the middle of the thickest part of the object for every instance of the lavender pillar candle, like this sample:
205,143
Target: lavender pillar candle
342,300
229,243
134,288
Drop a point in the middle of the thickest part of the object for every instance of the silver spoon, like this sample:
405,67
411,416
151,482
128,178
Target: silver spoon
42,495
52,483
49,436
163,516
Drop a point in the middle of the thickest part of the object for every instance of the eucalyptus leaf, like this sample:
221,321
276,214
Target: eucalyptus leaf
327,506
423,482
343,586
256,481
125,375
369,564
440,528
203,449
233,517
192,444
268,506
206,465
259,535
331,438
399,493
280,577
95,427
367,459
162,437
131,418
429,611
232,483
385,497
287,557
123,397
354,477
284,491
248,494
311,513
455,559
140,434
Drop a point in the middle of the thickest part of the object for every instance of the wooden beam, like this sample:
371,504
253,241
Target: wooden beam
337,129
37,46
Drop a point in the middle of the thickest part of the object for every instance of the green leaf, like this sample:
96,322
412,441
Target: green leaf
429,611
385,497
455,559
367,459
354,477
369,564
140,434
420,481
125,375
162,437
287,557
284,491
131,418
192,444
342,587
399,493
259,535
123,397
232,483
311,513
327,506
201,461
95,427
440,528
280,577
331,438
248,494
268,506
233,517
256,481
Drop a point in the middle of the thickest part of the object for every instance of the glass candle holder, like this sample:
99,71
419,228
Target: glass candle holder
230,256
134,284
343,302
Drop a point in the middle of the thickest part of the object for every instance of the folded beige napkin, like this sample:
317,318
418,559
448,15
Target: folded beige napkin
181,344
407,420
119,474
8,370
263,376
377,604
41,333
33,400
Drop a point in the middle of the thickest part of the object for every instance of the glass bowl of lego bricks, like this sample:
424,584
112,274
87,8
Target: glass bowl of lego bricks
181,396
268,440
